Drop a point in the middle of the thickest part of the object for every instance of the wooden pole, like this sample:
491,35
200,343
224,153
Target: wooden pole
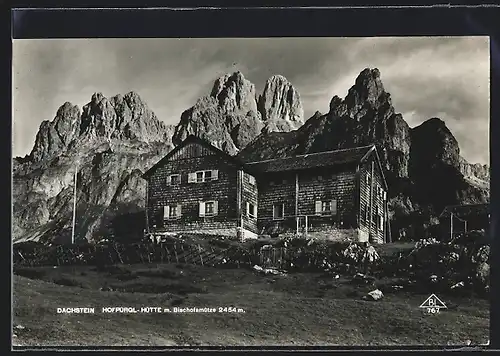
451,226
387,222
297,202
147,202
74,207
239,200
371,201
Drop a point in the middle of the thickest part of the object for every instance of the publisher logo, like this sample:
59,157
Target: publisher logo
433,304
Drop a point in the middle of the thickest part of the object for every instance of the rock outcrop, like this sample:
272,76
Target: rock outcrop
280,105
122,117
54,136
109,143
476,173
230,117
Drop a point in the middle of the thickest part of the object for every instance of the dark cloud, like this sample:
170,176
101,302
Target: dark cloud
426,76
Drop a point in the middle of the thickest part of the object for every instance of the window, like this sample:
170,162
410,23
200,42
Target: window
271,182
320,178
375,214
381,222
172,211
203,176
278,211
174,179
285,181
208,208
251,210
326,207
251,180
363,213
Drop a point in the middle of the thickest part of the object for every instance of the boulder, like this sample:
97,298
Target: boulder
375,295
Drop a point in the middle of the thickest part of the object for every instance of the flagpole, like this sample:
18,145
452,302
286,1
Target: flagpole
74,207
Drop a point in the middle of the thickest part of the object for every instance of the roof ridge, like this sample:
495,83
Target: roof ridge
310,154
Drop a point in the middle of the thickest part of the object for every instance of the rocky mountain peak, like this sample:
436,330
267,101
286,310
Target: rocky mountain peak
280,105
235,93
54,136
124,117
232,116
96,98
437,142
369,83
367,95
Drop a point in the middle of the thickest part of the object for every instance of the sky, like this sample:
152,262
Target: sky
445,77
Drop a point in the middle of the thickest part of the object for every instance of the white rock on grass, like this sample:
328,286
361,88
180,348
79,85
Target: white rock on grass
375,294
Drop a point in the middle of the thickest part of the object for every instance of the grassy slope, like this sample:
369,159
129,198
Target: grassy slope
298,309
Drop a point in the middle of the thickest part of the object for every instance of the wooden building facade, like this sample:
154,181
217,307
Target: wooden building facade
335,195
197,187
327,194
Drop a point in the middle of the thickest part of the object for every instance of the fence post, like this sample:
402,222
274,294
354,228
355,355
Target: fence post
175,252
183,253
168,253
117,253
201,257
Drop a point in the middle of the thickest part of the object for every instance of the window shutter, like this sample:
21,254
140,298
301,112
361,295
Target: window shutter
317,209
255,211
165,212
216,207
202,208
179,210
215,174
248,208
169,181
385,195
191,177
334,206
381,222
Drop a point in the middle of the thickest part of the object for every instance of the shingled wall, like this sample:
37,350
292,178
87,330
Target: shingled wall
188,195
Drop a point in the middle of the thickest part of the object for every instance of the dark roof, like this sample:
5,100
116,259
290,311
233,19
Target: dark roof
466,210
312,160
195,139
